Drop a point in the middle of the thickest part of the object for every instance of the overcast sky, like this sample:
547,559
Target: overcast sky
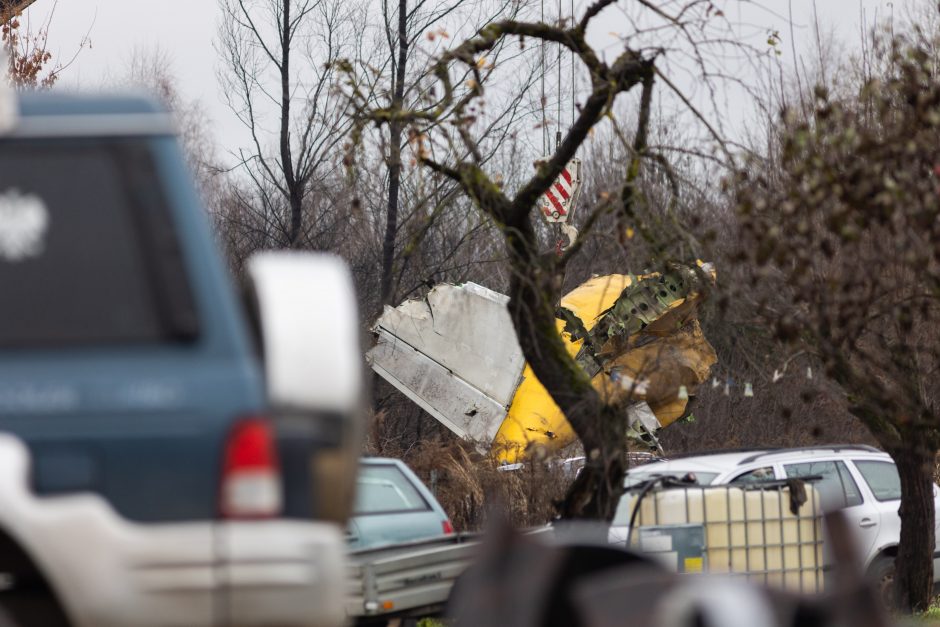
185,29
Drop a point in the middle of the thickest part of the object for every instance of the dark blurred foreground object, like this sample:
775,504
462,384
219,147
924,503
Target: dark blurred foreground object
573,581
5,619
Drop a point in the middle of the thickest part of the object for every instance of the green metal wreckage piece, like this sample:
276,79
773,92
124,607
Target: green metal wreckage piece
641,303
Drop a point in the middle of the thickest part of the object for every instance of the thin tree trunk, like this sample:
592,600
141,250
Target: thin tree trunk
296,207
914,564
294,193
394,157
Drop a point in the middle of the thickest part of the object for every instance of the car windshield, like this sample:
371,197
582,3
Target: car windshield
635,478
383,489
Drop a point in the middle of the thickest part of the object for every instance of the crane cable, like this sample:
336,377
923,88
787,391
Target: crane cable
572,68
558,101
542,72
567,229
545,140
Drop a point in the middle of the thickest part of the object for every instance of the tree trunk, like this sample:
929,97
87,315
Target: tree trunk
296,207
914,563
394,157
596,491
598,488
294,193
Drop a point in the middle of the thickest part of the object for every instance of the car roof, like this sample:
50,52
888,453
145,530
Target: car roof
375,461
700,463
56,113
59,102
728,460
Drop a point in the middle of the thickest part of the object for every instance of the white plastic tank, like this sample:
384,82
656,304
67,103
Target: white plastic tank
748,531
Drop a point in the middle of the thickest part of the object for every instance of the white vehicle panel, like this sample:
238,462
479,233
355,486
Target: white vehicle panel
108,571
877,523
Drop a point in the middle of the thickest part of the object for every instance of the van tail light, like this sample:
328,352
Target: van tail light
448,528
251,476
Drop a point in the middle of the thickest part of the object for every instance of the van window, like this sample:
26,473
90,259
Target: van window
882,478
88,252
765,473
381,489
836,487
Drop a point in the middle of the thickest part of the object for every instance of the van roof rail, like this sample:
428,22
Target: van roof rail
722,451
829,447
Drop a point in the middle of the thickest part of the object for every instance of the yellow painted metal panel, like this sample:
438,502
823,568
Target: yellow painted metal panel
674,353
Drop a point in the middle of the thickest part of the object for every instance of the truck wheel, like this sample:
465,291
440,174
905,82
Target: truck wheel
881,574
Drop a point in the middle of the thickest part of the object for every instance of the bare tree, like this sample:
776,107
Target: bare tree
152,69
31,64
845,226
453,151
278,58
12,7
397,75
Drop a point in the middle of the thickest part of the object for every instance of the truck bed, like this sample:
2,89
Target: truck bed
412,578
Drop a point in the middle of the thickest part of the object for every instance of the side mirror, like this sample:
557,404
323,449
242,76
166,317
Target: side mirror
308,321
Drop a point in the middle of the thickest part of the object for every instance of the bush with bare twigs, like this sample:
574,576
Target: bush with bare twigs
469,484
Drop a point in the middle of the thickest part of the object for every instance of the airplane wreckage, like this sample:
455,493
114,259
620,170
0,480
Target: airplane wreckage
455,354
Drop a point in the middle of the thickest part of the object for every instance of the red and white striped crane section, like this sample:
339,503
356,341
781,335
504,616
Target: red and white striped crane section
558,201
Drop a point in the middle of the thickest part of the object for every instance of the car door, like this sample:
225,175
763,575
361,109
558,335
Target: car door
838,490
390,509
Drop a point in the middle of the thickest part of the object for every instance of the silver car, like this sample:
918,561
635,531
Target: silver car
860,480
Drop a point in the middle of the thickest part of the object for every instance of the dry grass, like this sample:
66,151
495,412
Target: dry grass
471,488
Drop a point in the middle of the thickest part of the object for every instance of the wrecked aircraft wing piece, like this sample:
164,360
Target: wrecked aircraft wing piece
455,354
